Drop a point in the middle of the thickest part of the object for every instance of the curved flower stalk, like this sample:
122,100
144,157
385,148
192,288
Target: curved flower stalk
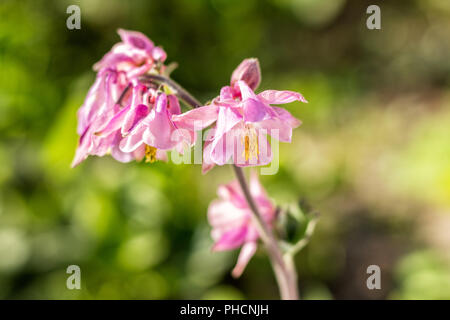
231,219
132,112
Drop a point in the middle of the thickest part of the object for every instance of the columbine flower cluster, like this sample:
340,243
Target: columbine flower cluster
134,120
102,121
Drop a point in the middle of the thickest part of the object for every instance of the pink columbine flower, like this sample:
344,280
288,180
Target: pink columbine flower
231,220
244,118
117,70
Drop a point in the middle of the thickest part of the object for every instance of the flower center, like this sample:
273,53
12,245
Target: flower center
250,142
150,154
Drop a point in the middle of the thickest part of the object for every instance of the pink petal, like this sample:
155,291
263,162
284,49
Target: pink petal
227,119
161,155
83,148
224,215
115,123
286,117
277,129
197,119
136,39
254,110
139,153
247,252
226,93
224,147
281,97
133,116
133,140
206,166
91,105
112,60
246,91
232,192
160,127
118,154
231,239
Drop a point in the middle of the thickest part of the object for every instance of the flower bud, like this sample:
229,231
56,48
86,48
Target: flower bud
249,72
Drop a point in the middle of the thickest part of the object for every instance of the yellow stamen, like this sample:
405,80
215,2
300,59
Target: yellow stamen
150,154
250,142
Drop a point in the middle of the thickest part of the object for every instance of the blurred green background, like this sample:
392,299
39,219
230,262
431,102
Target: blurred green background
373,154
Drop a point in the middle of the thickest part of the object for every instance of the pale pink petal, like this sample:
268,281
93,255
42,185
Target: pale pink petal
207,163
206,166
277,129
102,145
247,252
254,110
91,105
112,60
136,39
115,123
198,118
223,148
83,148
246,91
133,140
227,119
119,155
139,153
281,97
232,192
224,215
286,117
161,155
226,93
133,116
160,128
231,239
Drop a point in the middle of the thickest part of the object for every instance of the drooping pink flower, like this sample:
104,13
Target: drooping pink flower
117,70
231,220
132,57
245,118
